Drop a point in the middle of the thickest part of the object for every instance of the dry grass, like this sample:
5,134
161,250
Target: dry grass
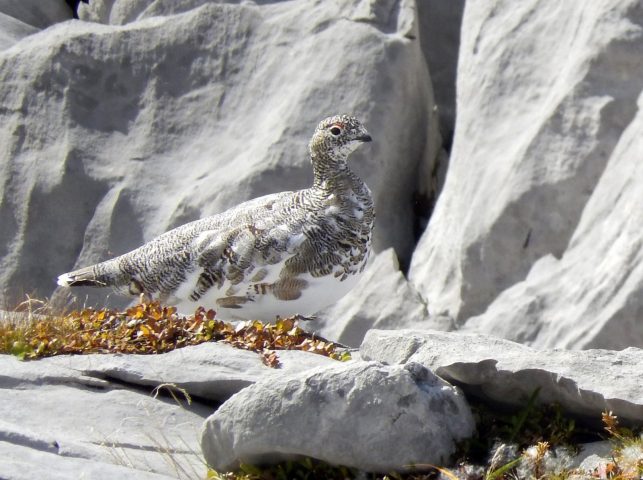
150,328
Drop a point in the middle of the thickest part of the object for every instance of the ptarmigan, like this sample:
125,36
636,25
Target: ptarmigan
278,255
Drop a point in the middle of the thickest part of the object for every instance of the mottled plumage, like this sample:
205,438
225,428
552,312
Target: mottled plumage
281,254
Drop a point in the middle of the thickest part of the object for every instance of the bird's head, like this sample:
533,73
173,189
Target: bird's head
336,137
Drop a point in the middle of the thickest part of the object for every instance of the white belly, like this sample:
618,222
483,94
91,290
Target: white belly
318,294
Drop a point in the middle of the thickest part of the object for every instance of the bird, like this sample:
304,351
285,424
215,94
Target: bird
279,255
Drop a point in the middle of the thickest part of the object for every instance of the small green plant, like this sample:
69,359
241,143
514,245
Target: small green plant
501,435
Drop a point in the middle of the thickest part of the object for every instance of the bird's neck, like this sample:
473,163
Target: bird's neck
329,172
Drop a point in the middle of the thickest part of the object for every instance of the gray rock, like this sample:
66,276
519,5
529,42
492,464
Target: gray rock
362,414
140,123
37,13
12,30
211,371
440,26
122,424
23,463
48,371
117,12
77,425
591,454
591,464
543,100
17,317
584,383
19,19
382,299
592,297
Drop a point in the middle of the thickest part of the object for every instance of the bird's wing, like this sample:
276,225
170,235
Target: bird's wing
160,266
233,248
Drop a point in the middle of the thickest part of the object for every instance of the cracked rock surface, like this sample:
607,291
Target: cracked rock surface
85,414
585,383
536,235
60,421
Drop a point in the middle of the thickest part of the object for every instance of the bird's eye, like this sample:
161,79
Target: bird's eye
335,130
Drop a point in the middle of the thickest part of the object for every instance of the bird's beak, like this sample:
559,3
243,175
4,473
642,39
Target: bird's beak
364,137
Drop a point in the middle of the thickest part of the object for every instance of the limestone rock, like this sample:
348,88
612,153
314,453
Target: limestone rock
211,371
545,92
12,30
81,426
19,19
584,383
117,12
94,412
361,414
18,462
593,296
382,299
440,27
37,13
590,454
139,125
599,457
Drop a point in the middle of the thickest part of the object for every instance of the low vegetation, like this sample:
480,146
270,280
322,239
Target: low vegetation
150,328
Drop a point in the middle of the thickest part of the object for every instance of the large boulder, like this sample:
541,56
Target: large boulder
115,134
584,383
592,297
364,415
545,92
19,19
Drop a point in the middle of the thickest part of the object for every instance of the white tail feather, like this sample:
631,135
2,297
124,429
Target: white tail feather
64,280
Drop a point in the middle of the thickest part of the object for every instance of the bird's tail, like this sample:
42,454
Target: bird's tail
84,277
105,274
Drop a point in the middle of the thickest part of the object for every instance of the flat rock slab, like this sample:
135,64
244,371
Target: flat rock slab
359,414
83,414
23,463
211,371
584,382
76,424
